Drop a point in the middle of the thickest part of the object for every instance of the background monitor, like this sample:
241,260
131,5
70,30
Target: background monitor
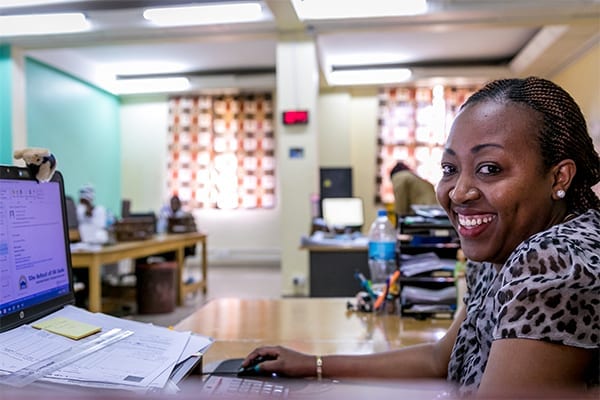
343,211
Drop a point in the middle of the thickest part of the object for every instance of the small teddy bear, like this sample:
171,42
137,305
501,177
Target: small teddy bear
40,162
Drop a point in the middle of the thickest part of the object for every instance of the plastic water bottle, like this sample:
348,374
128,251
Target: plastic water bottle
382,248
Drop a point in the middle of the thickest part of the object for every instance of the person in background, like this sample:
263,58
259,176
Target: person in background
171,210
518,169
91,220
174,210
91,217
409,189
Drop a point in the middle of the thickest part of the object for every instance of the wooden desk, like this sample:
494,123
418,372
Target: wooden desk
312,325
94,259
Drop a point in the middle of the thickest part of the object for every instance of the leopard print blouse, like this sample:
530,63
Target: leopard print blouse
548,289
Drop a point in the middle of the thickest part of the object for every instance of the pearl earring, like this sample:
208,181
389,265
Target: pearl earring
561,194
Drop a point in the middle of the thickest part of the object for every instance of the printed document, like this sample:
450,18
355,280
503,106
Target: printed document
139,362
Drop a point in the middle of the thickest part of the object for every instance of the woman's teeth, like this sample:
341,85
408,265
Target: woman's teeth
469,222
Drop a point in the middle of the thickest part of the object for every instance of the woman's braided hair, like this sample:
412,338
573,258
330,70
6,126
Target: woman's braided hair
563,134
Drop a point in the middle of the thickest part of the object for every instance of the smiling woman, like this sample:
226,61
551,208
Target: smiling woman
489,171
517,174
518,167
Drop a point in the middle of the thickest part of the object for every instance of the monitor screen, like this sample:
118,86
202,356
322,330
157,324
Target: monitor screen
35,261
343,211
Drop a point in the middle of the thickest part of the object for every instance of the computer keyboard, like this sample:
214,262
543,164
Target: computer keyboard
230,387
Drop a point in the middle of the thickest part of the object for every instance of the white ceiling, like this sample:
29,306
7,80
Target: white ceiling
457,41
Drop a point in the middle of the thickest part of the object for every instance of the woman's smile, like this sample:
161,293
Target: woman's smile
473,225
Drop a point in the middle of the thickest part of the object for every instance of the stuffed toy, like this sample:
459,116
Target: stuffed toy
40,162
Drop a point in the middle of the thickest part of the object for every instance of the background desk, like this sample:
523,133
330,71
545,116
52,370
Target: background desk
94,259
312,325
332,270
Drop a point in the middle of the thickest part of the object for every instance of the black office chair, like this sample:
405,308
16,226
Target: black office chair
72,222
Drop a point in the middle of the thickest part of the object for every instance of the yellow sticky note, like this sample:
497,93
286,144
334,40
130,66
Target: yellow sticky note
67,327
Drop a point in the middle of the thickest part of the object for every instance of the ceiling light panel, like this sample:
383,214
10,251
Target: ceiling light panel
368,76
42,24
151,85
345,9
28,3
205,14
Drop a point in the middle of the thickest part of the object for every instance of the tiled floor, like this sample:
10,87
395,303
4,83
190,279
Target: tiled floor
224,280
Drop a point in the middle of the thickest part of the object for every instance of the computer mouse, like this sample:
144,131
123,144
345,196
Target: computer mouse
253,369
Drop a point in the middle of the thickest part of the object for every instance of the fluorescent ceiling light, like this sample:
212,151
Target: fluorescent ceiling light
367,57
152,85
339,9
26,3
42,24
368,76
146,67
204,14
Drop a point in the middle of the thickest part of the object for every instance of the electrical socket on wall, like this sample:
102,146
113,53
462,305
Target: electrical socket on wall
299,280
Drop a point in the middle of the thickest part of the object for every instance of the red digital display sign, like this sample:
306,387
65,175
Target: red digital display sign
295,117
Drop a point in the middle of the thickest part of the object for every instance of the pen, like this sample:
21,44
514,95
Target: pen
381,297
394,277
390,281
365,284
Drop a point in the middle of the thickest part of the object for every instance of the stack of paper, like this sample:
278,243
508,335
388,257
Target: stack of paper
419,295
423,264
319,238
141,361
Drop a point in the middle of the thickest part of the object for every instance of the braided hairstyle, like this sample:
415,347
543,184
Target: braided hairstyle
563,134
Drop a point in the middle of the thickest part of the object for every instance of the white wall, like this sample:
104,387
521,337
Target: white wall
144,127
363,133
19,112
297,88
348,137
581,78
333,134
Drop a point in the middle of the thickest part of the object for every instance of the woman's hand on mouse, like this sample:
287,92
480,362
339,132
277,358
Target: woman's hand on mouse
283,361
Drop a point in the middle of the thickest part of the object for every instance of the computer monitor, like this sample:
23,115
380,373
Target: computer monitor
344,212
35,259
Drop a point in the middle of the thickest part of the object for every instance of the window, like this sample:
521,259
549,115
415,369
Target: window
222,151
413,124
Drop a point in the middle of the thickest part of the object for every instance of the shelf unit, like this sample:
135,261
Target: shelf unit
439,237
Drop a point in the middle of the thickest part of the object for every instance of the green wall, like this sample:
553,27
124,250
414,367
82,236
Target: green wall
5,106
79,123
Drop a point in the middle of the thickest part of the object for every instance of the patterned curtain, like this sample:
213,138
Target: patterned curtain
413,124
222,151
